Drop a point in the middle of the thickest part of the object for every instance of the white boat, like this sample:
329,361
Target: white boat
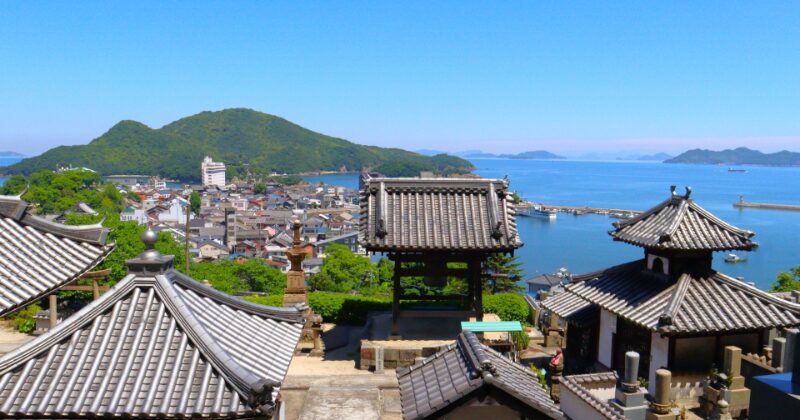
537,211
733,258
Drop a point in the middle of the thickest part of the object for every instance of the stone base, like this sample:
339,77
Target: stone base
291,299
632,404
554,339
673,414
738,400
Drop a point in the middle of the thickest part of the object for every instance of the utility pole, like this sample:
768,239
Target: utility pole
188,213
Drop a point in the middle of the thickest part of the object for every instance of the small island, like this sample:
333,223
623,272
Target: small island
738,156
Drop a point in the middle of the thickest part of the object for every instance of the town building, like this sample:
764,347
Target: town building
213,173
670,306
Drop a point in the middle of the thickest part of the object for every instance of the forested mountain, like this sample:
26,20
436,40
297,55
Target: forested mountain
241,138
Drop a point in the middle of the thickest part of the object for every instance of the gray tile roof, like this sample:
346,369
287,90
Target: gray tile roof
417,214
703,302
462,368
571,307
155,345
38,256
582,385
678,223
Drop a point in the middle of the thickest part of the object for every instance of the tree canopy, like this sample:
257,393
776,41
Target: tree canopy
787,281
53,192
344,271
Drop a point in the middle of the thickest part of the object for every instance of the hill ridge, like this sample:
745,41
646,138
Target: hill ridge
244,139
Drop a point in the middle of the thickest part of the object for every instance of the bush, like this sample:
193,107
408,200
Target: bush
270,300
508,306
23,320
346,309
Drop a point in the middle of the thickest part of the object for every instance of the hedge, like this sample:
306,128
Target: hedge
508,306
347,309
271,300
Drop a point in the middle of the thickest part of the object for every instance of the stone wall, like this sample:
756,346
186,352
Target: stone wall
394,356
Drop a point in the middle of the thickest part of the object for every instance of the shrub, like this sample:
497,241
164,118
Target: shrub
270,300
23,320
508,306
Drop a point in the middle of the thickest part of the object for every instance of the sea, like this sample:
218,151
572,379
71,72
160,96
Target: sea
582,244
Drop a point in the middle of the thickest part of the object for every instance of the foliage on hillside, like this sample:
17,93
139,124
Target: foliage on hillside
739,156
249,141
53,192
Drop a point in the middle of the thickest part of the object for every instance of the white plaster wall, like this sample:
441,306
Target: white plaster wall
576,408
659,357
608,327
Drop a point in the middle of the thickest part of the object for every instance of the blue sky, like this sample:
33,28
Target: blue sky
498,76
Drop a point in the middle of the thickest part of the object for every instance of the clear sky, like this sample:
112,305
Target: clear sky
498,76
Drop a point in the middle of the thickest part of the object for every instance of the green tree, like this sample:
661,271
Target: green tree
787,281
344,271
504,271
52,192
260,188
194,202
231,277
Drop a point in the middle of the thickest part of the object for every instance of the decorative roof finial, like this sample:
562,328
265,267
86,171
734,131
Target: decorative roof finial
688,192
24,190
672,189
150,237
150,261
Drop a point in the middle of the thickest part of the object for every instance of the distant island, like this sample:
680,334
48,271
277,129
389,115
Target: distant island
10,154
537,154
247,141
655,157
738,156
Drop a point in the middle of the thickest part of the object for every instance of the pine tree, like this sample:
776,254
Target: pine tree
504,271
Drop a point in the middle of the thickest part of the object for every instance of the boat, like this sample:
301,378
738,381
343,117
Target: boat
736,170
538,212
733,258
621,215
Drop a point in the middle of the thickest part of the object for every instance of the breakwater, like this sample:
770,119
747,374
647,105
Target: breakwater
579,210
769,206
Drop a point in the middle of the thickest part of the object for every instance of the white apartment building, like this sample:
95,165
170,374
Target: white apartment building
213,172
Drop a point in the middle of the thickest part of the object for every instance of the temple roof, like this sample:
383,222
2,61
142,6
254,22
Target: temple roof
700,302
462,368
437,214
678,223
38,256
585,386
158,344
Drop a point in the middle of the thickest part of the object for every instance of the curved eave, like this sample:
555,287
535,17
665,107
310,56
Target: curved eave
12,309
747,247
288,314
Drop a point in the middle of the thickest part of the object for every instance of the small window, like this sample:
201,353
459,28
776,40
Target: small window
658,266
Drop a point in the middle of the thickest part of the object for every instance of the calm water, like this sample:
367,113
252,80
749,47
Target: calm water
581,243
339,180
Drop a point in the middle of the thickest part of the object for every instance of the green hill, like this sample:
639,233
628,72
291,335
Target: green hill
242,138
738,156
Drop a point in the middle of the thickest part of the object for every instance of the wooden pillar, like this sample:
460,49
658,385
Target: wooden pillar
474,266
396,292
53,310
95,289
